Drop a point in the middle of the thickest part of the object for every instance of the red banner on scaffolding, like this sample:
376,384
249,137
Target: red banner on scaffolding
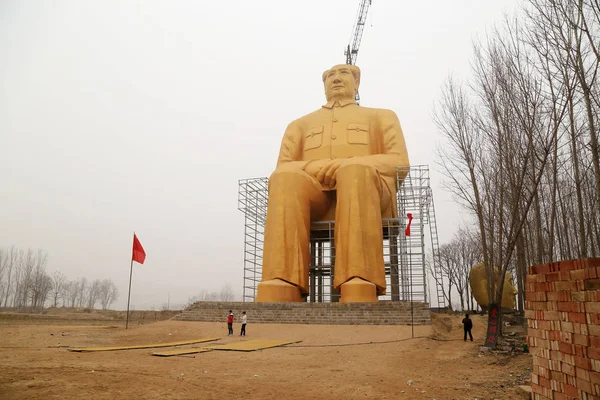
407,230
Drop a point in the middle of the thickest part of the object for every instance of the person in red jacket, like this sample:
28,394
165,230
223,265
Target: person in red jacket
230,323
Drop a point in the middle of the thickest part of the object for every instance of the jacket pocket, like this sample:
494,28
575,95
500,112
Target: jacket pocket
313,138
357,133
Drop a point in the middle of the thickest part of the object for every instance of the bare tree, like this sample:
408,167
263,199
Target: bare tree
72,293
11,262
3,268
92,293
81,292
448,268
59,281
226,293
205,295
108,293
40,283
23,277
468,254
29,282
190,301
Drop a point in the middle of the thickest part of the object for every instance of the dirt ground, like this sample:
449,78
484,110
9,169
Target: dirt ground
331,362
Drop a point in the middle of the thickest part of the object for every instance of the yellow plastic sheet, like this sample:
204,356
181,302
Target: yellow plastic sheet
181,352
145,346
252,345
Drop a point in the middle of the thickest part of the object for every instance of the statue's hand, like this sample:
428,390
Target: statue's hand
327,174
315,166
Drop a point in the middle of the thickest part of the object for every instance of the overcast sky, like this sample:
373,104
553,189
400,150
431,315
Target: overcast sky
118,116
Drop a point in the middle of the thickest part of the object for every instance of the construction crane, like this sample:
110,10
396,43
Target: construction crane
351,51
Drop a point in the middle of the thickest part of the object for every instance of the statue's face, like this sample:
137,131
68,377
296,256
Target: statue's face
340,83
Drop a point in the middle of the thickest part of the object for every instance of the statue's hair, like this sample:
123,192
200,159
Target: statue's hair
353,68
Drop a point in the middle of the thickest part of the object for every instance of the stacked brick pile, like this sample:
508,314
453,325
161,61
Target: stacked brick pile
563,312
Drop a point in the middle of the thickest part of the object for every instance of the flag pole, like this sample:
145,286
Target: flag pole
129,295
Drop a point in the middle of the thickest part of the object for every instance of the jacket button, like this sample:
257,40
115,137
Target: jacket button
333,136
335,120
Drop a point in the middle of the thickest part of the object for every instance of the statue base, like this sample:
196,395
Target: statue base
357,290
277,291
384,312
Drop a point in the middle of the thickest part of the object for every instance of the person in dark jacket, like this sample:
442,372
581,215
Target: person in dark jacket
467,325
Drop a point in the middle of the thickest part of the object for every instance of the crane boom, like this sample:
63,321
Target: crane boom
357,31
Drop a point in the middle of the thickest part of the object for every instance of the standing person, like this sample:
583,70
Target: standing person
230,323
467,325
244,319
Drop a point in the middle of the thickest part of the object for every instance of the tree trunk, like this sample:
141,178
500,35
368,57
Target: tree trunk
582,251
520,273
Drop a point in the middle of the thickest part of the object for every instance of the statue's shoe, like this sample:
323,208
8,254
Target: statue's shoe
277,291
358,290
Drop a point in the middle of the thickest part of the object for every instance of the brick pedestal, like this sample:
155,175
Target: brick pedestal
563,311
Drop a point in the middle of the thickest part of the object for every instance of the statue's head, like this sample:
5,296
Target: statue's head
341,82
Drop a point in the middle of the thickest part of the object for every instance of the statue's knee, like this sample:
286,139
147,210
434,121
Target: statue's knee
294,167
287,178
280,176
276,176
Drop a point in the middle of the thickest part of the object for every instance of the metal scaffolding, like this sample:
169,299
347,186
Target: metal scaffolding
404,255
252,201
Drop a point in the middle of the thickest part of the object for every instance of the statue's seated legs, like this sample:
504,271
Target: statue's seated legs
296,199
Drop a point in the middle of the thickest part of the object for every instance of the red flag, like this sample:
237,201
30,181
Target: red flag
139,255
407,230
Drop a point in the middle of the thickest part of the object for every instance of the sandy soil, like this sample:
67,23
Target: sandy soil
331,362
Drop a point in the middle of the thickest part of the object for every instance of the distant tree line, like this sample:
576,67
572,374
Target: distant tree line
225,294
24,282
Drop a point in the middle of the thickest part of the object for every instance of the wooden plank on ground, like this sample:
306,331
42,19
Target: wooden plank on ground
252,345
144,346
65,327
181,352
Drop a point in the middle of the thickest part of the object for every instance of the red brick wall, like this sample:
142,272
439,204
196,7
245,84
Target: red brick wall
563,311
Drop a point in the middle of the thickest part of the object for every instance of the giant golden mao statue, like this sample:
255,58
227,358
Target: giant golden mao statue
340,159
